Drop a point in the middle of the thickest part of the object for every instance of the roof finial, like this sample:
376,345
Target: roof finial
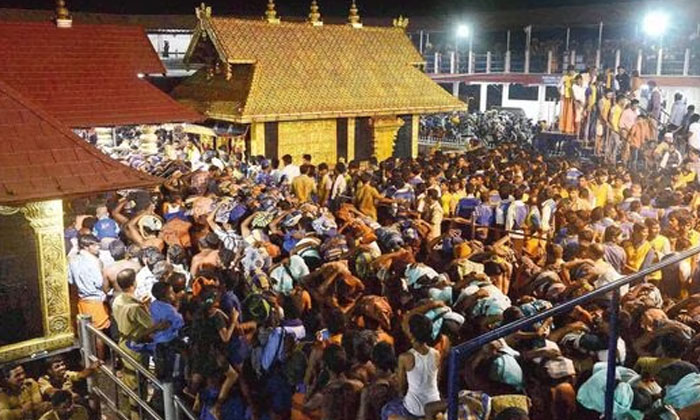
401,22
271,13
203,11
354,17
315,15
63,18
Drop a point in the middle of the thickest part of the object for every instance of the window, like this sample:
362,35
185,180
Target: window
522,93
551,94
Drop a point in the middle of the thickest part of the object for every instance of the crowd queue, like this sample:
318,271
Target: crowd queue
622,115
267,289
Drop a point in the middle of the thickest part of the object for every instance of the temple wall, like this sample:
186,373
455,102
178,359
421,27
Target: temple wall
315,137
322,138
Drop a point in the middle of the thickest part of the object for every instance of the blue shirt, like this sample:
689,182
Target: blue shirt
106,228
484,215
466,206
85,272
163,311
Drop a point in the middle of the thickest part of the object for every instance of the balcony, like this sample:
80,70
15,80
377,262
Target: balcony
648,62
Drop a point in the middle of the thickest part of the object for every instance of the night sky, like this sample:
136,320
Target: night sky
379,8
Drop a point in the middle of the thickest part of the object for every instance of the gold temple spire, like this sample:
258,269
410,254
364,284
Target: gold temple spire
271,13
63,17
203,11
315,15
354,16
401,22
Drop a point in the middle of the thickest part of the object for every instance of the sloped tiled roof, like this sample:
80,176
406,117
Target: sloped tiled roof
150,22
41,159
86,75
304,72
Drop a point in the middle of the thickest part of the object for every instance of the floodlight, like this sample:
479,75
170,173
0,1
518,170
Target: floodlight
655,23
463,31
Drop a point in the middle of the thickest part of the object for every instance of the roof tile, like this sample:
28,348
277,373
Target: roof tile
86,76
41,159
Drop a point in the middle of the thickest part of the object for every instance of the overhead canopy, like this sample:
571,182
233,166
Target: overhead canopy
41,159
291,71
87,75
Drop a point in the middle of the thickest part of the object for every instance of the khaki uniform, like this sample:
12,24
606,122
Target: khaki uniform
11,404
66,384
79,413
133,322
302,187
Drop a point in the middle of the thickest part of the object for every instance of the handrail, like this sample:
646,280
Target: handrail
173,407
135,364
181,408
133,395
460,351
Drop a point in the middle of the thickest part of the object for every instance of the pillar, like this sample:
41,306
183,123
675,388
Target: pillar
505,91
483,92
46,221
659,61
541,96
384,130
617,58
686,62
415,129
455,89
488,61
351,139
526,68
257,139
640,57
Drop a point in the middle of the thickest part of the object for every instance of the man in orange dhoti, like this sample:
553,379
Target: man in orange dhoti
566,113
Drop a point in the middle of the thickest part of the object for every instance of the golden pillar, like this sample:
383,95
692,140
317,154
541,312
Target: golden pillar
351,139
46,221
384,131
415,128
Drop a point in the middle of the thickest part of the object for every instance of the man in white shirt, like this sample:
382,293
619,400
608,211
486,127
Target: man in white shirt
290,171
694,132
677,111
339,186
579,94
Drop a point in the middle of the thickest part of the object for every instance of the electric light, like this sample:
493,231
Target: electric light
463,31
655,23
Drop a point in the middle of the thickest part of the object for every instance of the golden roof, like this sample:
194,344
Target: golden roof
290,71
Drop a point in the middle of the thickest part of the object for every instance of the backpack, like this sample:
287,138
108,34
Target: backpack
466,207
389,239
256,307
334,248
376,308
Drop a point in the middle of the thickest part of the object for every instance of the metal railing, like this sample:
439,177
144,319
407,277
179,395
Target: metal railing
172,408
460,353
647,62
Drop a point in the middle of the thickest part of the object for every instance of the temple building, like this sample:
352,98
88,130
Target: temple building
335,91
57,78
87,75
42,162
